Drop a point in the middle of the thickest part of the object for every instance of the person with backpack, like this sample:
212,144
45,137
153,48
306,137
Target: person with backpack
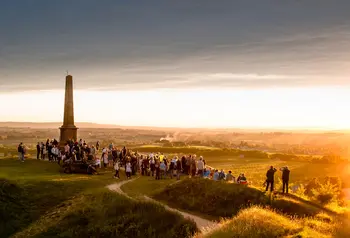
270,178
172,167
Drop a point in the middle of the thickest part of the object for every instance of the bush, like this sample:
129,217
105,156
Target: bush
324,190
256,222
325,193
109,215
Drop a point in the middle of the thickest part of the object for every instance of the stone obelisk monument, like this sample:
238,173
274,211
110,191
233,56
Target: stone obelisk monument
68,129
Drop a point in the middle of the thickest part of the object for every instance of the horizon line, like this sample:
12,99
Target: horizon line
291,128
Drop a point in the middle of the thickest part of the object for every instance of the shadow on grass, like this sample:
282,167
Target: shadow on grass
25,202
310,203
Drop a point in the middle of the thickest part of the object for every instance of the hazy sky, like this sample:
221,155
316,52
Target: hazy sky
185,52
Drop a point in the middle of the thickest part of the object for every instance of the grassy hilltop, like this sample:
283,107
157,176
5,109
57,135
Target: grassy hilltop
37,201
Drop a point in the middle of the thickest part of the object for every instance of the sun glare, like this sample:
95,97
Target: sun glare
323,108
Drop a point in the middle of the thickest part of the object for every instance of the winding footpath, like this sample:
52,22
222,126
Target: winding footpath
203,224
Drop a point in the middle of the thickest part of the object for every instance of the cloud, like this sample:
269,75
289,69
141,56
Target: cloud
174,44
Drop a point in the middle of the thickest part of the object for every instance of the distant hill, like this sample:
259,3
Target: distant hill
56,125
52,125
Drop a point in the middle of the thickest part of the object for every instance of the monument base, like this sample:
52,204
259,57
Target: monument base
68,133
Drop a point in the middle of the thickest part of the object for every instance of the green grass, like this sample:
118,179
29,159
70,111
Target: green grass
38,186
42,202
106,214
146,185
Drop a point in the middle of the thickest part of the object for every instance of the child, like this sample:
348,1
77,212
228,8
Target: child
105,160
98,162
116,167
128,170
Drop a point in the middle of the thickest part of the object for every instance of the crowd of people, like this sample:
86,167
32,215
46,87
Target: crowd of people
156,165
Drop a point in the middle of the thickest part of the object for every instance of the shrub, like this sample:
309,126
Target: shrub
325,193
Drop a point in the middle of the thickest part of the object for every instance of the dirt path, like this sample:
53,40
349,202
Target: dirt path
116,187
203,224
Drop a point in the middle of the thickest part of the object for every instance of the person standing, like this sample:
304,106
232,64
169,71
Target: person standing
93,151
67,150
20,150
285,179
270,178
116,168
97,145
178,168
128,170
42,147
157,168
200,166
152,165
38,149
105,159
162,167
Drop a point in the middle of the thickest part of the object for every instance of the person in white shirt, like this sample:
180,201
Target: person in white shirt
105,160
66,149
128,170
54,152
200,166
98,162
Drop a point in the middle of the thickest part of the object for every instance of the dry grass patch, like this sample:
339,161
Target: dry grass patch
256,222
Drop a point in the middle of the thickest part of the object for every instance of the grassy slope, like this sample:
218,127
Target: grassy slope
42,197
106,214
145,185
220,199
257,222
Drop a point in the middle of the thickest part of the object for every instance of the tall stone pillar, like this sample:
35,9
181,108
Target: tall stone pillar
68,129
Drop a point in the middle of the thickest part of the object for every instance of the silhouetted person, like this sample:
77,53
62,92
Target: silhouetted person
285,178
38,149
42,148
270,178
21,152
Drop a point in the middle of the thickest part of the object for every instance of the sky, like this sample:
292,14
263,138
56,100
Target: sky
194,63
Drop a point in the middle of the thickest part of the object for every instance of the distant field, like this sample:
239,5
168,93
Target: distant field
199,147
255,168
